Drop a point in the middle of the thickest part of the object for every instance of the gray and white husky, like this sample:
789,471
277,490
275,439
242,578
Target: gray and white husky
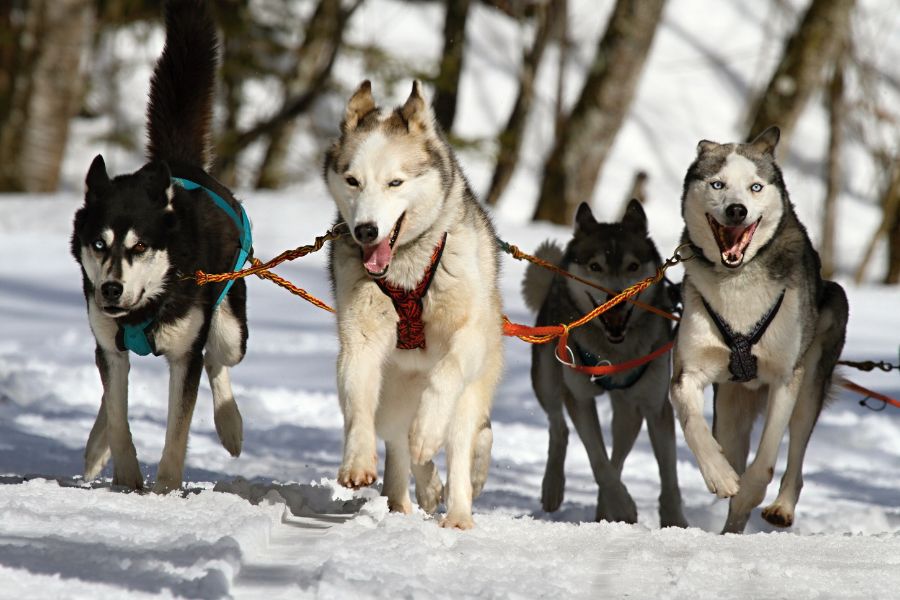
612,255
418,307
135,238
759,323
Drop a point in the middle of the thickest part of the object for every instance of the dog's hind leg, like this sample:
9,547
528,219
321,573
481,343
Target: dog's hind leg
97,452
184,380
229,424
820,361
614,503
481,461
225,348
396,475
735,408
429,489
548,387
661,429
626,425
114,367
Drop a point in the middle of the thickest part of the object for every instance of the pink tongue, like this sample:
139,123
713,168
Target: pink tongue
377,258
733,239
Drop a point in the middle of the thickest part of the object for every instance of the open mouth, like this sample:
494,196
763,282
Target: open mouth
377,257
732,241
614,320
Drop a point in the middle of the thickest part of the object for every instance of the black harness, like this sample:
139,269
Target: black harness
742,363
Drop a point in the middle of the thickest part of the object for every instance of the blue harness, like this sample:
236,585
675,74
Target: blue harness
134,337
605,381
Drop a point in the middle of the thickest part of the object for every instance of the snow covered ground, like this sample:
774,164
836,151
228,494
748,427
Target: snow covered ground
273,523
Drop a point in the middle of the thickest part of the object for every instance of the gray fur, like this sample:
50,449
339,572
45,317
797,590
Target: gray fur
617,246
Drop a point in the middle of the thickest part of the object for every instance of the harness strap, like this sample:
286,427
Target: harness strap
408,303
605,380
135,337
742,364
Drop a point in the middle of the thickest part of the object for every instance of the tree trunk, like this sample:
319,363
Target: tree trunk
812,47
447,82
40,89
510,139
574,164
833,176
891,203
316,54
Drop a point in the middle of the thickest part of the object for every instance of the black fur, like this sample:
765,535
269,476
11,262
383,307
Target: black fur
194,232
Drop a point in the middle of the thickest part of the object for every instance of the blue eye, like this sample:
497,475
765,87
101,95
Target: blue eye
395,183
756,187
98,245
717,185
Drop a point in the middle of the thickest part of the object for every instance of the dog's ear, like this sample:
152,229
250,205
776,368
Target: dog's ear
416,112
97,180
159,180
635,218
766,141
360,104
706,146
584,218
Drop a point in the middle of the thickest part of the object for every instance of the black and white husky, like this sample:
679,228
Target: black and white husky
613,255
759,322
138,235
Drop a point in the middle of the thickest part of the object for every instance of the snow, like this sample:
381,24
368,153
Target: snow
274,523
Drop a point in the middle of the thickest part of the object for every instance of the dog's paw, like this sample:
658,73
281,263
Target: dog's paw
230,427
615,504
403,506
553,490
128,476
778,515
429,494
458,521
358,473
721,479
165,485
424,441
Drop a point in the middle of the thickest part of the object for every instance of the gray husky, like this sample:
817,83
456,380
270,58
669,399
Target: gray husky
613,255
418,307
759,323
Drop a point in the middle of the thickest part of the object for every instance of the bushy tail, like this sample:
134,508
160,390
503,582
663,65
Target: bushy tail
181,90
536,284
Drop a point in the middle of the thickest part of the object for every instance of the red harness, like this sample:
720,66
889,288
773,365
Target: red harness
408,304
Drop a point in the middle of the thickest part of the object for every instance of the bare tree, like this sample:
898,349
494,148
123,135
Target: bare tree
447,82
890,222
574,164
811,48
40,89
315,56
833,176
510,140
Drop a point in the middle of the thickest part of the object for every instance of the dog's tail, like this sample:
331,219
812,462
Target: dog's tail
181,91
536,284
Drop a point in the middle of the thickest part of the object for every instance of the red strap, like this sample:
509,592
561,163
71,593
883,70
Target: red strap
855,387
564,355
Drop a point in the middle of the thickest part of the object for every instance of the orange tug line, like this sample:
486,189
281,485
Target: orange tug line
532,335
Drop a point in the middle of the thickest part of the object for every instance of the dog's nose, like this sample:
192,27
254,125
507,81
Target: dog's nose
736,213
111,290
366,233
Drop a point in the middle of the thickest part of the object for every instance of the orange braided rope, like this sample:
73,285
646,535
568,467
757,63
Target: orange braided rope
517,254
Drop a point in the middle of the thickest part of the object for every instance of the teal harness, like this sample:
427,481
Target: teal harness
605,381
134,337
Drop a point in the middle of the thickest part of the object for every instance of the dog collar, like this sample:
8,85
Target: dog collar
135,337
742,363
408,303
606,381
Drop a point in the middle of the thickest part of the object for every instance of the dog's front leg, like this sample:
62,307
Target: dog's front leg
184,379
359,382
782,398
114,367
687,398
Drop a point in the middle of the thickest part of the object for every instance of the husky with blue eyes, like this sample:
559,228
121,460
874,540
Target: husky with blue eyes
418,308
760,325
136,238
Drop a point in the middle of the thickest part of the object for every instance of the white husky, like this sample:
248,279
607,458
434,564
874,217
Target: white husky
418,308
